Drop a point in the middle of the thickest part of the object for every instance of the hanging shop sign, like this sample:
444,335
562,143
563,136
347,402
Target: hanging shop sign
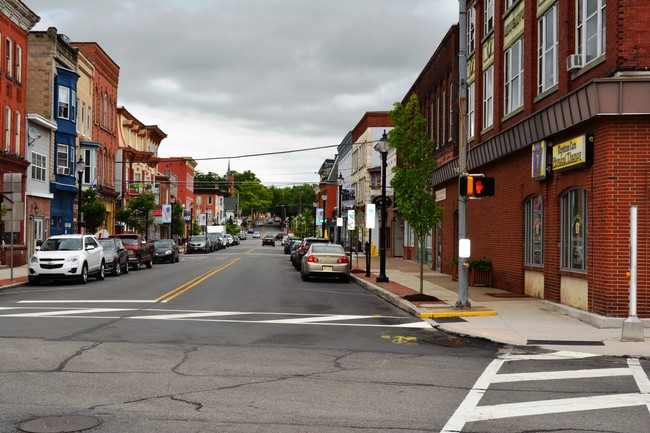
538,163
140,188
575,153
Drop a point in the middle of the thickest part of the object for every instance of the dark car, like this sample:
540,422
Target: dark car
116,256
287,243
166,251
304,246
268,240
217,240
198,244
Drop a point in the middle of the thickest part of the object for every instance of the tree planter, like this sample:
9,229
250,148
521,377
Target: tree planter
454,272
480,277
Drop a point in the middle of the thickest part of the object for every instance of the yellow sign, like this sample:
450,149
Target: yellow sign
570,154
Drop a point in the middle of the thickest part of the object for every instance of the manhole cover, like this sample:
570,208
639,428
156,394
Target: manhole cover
60,424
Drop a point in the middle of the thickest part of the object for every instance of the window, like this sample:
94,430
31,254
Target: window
514,83
451,107
573,237
489,17
470,110
534,231
88,171
209,199
19,64
73,105
591,29
488,97
64,102
438,122
548,48
105,113
444,114
39,166
9,52
509,3
471,30
89,123
8,120
17,142
62,157
81,127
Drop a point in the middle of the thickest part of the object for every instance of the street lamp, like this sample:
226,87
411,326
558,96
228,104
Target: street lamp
81,167
339,180
382,148
172,200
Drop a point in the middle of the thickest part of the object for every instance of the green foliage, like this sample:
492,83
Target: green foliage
303,225
482,264
178,223
136,214
94,211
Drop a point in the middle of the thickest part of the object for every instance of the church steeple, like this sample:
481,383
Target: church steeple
231,181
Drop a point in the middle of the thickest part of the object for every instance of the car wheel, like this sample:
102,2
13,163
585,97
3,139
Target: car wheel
136,265
345,279
117,269
150,263
101,274
304,277
126,267
32,280
83,278
178,258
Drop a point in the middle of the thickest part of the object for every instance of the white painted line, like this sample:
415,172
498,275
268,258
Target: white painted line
467,406
640,377
317,319
560,375
547,356
546,407
66,312
105,301
421,325
189,315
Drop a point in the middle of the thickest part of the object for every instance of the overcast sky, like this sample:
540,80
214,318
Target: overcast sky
224,78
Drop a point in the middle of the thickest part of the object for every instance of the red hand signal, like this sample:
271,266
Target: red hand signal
478,186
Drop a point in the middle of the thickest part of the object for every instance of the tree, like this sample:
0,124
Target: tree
94,211
137,213
178,223
412,179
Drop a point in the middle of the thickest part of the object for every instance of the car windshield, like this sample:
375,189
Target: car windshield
197,239
64,244
130,241
107,244
163,243
327,249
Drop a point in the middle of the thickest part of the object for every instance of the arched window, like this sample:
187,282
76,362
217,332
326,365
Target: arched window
573,235
534,231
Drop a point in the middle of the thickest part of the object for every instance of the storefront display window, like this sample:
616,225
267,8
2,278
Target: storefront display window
534,231
574,230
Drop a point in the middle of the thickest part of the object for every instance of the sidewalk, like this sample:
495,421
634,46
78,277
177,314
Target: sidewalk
498,315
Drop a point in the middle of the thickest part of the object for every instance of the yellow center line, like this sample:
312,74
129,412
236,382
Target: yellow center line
187,286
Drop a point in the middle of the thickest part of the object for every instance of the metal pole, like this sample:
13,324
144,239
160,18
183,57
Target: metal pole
463,301
633,326
382,278
340,215
79,205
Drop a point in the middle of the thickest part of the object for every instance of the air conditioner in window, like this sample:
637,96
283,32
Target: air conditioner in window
574,61
63,170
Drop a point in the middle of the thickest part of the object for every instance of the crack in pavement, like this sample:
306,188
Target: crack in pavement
78,353
186,356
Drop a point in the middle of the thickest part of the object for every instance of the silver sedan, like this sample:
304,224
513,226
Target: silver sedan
325,260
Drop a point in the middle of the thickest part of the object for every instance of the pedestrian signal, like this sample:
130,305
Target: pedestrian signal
476,186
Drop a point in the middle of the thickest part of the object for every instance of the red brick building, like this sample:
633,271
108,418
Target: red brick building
559,115
183,168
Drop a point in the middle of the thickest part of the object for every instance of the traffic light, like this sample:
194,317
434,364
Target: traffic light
476,186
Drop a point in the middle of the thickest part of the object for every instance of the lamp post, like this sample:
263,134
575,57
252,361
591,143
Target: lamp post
81,167
172,200
339,180
315,226
382,148
191,219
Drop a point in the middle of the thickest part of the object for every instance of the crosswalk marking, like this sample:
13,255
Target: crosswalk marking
470,411
66,312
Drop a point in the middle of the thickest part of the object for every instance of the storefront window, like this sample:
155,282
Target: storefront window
534,231
573,209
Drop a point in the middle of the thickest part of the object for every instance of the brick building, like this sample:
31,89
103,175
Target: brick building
559,115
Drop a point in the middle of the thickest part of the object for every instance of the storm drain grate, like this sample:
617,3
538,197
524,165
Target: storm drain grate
567,342
60,424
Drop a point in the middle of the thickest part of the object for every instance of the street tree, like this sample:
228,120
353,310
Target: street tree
412,180
137,213
94,211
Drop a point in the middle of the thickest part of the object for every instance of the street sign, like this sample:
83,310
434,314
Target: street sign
382,201
351,219
370,216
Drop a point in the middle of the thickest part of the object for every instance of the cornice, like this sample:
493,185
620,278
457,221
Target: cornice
19,13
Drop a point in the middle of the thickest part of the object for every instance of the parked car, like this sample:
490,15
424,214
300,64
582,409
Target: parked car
229,240
287,243
198,244
268,240
140,251
250,231
72,257
234,240
166,251
304,246
295,246
256,235
217,240
116,257
325,260
242,236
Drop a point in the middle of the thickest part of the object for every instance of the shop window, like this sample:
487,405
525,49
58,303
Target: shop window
534,231
573,238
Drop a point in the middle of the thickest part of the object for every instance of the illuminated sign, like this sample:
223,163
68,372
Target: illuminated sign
573,153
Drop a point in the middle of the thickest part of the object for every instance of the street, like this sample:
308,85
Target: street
234,341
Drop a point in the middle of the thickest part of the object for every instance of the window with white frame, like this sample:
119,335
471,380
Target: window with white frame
470,110
17,142
509,3
488,24
547,74
573,230
89,171
64,102
9,53
591,29
471,29
488,97
534,231
62,152
105,117
514,74
89,123
39,166
19,64
8,137
81,124
73,105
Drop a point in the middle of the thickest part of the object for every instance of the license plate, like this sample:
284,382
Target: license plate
327,269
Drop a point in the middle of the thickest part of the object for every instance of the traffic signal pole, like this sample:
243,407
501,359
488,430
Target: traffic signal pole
463,298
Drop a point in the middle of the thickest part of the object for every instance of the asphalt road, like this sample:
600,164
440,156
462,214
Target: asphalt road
235,341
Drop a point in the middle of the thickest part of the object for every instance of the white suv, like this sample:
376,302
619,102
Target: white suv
73,257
